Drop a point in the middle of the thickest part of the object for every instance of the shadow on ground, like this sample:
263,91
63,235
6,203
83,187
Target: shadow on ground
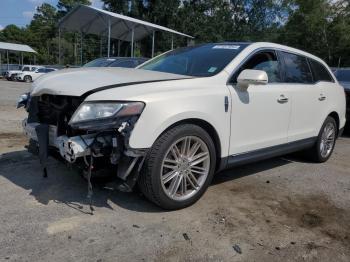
65,185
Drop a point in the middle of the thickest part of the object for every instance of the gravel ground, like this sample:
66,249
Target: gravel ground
284,209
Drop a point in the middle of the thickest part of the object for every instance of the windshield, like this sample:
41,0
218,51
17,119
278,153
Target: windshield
100,62
202,60
343,75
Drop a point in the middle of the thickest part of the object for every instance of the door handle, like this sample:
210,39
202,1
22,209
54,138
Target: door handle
322,97
282,99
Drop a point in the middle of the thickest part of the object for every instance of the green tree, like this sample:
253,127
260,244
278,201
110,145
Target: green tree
320,27
41,32
13,34
64,6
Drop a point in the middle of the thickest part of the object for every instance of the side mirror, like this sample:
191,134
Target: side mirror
252,77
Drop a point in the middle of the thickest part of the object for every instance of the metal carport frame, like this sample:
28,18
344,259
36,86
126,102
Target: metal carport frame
16,48
92,20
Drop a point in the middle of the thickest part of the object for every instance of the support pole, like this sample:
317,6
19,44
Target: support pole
22,58
153,35
100,45
59,46
0,63
8,60
109,37
172,42
81,48
132,42
118,47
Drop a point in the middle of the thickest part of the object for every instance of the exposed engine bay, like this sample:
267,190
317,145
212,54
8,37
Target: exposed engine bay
91,145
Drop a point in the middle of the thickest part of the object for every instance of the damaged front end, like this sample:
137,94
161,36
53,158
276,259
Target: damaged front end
91,135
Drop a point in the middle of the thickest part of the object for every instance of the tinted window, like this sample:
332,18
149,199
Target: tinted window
141,61
127,64
42,70
319,72
26,68
48,70
100,62
296,69
266,61
200,60
343,75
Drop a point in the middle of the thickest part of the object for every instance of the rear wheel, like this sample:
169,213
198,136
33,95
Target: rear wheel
325,143
27,79
179,167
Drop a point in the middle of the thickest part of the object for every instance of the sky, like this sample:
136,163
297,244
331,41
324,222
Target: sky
20,12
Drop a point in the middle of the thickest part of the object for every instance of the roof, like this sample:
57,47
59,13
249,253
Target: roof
92,20
16,47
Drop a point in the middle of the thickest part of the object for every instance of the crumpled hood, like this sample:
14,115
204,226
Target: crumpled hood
76,82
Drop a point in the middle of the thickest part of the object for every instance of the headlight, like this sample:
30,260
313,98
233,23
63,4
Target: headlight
23,100
104,112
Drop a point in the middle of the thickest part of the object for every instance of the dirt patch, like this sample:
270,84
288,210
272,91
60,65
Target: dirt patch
266,211
319,215
16,136
311,220
12,141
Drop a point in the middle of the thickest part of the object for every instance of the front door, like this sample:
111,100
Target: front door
260,113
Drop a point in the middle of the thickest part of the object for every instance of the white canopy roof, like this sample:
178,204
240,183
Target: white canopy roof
93,20
16,47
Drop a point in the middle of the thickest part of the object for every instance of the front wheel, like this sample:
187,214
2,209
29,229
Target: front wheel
325,143
179,167
27,79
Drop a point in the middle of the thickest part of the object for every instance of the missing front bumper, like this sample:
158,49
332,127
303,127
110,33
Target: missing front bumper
72,148
108,146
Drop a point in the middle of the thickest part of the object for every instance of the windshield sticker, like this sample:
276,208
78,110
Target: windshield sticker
212,69
232,47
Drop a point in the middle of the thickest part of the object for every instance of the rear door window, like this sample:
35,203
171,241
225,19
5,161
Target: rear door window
297,69
319,72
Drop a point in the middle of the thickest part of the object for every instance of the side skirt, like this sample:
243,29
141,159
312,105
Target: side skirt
266,153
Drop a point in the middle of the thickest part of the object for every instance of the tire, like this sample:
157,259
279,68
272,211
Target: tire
154,172
315,153
27,79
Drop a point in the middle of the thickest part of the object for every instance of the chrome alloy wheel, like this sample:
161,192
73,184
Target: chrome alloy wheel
185,168
327,140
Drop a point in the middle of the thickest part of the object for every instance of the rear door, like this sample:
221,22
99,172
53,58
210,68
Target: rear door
260,114
305,93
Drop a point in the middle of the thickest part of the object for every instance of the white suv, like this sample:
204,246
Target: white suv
30,76
172,123
12,74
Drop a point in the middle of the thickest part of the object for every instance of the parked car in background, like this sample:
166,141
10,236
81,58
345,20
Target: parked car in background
127,62
29,76
173,122
343,76
12,74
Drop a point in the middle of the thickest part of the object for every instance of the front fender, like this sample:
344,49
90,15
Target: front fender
153,123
